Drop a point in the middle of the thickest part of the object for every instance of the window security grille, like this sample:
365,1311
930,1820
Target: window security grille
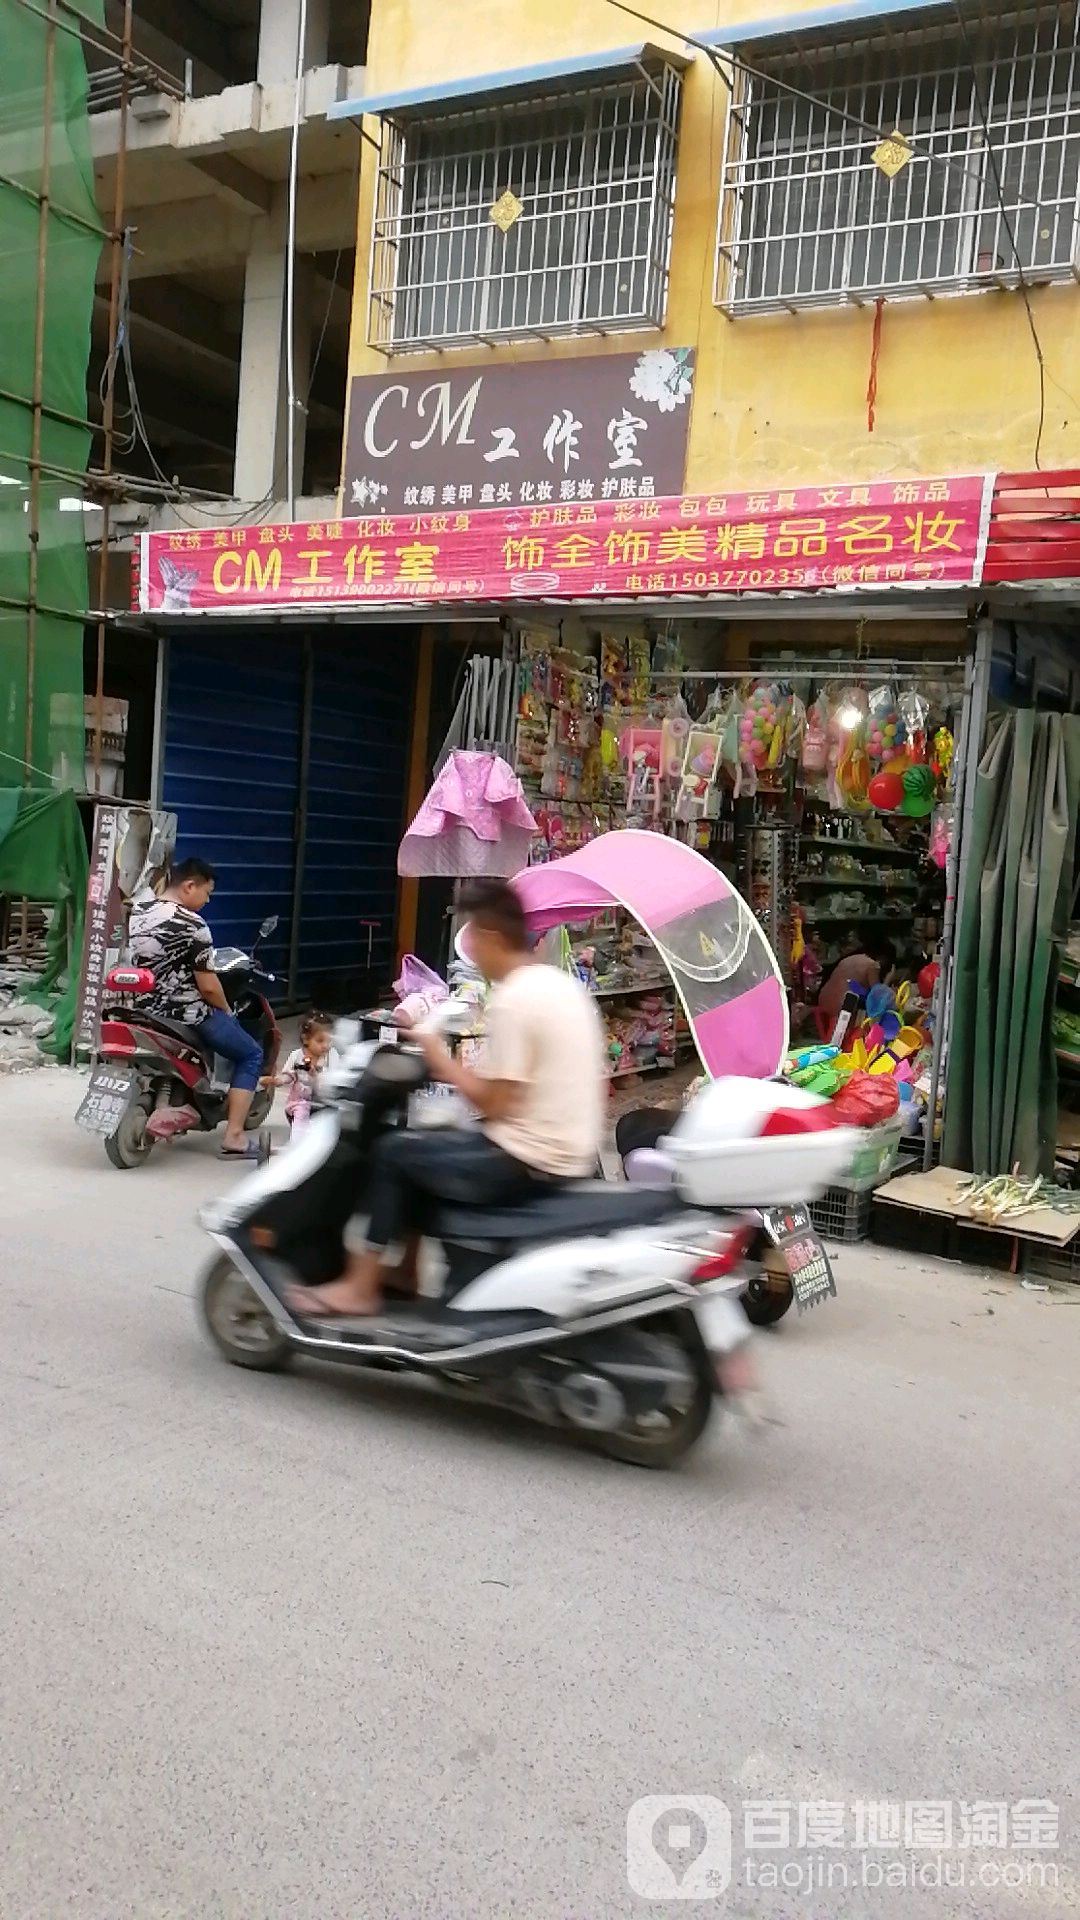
806,218
594,173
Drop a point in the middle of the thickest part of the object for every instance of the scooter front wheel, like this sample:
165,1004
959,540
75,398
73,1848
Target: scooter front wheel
242,1329
131,1145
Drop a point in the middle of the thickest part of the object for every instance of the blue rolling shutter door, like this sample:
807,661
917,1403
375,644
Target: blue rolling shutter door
361,716
231,774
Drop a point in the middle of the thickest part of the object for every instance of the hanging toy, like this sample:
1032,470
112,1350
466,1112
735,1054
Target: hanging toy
914,711
815,744
758,725
885,728
701,764
640,667
673,737
941,833
849,768
794,728
918,798
886,792
941,758
729,721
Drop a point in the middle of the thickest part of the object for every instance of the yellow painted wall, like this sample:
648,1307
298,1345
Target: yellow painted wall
780,398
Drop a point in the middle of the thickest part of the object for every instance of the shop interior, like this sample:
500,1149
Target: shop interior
813,764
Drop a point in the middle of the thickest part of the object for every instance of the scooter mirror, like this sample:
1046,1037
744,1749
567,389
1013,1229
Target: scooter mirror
269,926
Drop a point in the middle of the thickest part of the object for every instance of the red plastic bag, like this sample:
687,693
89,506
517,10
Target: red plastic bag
867,1099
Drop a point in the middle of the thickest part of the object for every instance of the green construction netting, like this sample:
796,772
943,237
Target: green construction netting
71,257
43,857
1001,1109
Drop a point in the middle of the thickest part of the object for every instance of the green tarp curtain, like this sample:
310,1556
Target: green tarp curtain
72,251
43,857
1001,1108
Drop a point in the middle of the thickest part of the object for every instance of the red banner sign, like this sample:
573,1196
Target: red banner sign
890,533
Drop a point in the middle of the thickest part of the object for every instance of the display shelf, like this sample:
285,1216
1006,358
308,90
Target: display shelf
862,846
652,1066
853,913
661,984
836,879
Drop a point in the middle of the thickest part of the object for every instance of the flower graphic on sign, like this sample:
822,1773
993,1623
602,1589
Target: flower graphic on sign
663,378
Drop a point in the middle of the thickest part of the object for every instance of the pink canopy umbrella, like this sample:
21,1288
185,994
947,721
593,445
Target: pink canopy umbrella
720,961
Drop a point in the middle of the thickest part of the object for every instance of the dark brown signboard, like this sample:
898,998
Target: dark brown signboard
612,427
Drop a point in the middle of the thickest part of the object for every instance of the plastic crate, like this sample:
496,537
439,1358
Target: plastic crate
843,1215
876,1158
1043,1262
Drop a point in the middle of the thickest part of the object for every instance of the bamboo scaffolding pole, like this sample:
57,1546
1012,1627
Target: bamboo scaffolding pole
36,395
108,405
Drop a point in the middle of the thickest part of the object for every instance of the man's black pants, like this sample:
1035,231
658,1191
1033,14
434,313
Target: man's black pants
411,1170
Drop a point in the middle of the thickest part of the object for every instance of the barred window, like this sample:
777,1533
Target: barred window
586,239
807,218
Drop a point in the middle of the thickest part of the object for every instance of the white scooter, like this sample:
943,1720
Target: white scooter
606,1310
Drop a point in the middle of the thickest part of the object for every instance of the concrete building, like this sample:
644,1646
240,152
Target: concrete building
783,231
205,298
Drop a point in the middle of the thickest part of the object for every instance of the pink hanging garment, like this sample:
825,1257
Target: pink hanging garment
474,820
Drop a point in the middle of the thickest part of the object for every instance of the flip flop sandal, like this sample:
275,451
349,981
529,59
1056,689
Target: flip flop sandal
306,1304
239,1153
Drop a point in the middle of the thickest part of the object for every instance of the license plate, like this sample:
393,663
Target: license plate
809,1269
808,1265
106,1099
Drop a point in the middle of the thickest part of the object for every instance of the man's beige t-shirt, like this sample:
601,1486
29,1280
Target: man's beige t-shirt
545,1035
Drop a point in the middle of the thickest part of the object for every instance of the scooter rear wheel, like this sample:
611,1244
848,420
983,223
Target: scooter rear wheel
642,1447
239,1325
768,1297
131,1145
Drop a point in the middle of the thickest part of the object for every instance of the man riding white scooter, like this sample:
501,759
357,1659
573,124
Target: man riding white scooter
539,1094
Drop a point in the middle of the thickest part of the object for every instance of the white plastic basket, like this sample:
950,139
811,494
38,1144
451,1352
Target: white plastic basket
785,1171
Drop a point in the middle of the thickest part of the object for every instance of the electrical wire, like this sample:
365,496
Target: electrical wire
999,187
290,269
688,40
951,166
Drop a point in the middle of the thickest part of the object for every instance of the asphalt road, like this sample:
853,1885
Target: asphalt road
317,1645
